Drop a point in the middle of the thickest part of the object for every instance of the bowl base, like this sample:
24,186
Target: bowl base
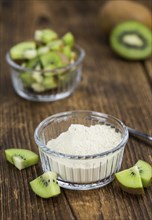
89,186
43,98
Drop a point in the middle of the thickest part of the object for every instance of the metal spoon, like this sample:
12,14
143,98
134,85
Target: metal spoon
142,135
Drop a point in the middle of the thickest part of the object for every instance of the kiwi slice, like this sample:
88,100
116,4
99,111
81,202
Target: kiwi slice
45,36
46,185
55,45
49,82
132,40
24,50
32,64
145,171
38,87
43,50
26,78
130,181
68,39
51,58
48,68
67,52
37,76
21,158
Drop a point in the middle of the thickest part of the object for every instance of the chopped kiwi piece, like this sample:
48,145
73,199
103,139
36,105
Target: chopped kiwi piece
48,69
30,54
26,78
45,36
67,51
51,58
68,39
46,185
41,57
64,58
49,82
145,171
43,50
38,87
130,181
23,50
55,45
73,56
131,40
31,64
37,76
21,158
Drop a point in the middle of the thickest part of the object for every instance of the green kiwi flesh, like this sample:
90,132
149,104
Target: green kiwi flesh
56,45
21,158
27,79
46,185
51,58
40,59
45,36
145,171
68,39
49,82
24,50
131,40
130,181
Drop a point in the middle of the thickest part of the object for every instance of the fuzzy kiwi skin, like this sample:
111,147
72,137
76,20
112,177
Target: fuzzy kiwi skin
115,12
137,191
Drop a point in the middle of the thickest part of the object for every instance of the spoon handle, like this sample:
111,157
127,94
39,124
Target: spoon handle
140,134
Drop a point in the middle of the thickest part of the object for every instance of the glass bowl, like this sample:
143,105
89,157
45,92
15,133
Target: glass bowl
65,79
80,172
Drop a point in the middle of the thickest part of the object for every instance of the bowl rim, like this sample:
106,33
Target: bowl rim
55,70
47,150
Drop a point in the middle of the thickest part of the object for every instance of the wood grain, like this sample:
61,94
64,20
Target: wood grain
109,85
148,70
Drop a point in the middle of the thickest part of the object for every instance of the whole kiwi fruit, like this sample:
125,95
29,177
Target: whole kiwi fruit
115,12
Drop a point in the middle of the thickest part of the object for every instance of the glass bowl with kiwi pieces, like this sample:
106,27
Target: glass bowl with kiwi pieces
47,68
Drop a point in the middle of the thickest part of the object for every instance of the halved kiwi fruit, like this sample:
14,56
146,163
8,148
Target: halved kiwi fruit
145,171
21,158
114,12
131,40
130,181
46,185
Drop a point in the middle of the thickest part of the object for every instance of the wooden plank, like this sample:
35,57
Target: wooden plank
109,85
148,69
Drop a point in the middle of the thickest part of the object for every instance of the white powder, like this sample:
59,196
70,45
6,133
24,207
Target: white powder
83,140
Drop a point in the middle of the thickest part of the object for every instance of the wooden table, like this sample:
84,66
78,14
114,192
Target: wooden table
110,84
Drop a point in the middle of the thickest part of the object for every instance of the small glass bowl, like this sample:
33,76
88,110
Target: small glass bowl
80,172
68,78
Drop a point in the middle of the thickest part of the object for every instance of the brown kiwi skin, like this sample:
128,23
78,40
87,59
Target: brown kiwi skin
114,12
136,191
